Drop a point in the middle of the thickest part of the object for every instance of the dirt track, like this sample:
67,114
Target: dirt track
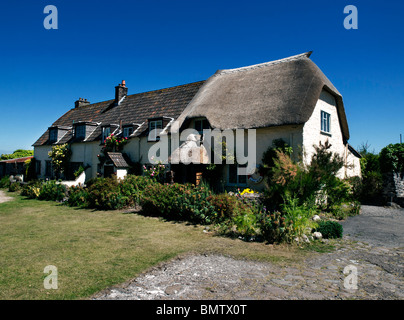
372,244
3,197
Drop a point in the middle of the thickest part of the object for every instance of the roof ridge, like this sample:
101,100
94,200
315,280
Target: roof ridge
265,64
181,85
134,94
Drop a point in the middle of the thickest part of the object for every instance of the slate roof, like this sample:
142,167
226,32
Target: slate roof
118,159
135,108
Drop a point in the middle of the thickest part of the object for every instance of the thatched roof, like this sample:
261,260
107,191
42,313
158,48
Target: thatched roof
282,92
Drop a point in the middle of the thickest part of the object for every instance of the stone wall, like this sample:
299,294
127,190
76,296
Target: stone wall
393,187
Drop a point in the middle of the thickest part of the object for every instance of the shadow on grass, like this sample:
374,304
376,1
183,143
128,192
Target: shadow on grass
140,211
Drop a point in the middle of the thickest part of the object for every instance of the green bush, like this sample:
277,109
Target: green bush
133,186
298,217
224,205
158,199
78,172
5,182
15,186
246,223
52,191
32,189
392,158
104,194
275,228
77,197
192,204
329,229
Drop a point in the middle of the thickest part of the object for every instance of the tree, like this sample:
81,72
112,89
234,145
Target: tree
60,156
19,153
392,158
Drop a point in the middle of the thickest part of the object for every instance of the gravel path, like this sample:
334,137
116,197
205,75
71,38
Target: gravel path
378,226
378,259
3,197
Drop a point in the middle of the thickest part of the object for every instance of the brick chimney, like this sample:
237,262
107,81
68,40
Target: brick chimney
120,91
81,102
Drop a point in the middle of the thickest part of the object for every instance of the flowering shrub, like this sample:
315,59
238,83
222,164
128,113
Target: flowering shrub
32,189
155,172
111,144
60,156
247,190
114,144
224,205
104,194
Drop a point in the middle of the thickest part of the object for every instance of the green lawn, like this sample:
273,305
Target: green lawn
93,250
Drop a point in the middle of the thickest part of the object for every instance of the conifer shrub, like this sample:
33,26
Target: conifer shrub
329,229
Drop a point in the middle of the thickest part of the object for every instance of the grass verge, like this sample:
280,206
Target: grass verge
93,250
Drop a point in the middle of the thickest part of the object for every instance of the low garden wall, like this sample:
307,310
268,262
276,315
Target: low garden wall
393,187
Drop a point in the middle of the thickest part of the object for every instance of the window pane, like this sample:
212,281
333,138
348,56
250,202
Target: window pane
80,131
155,124
325,121
106,131
127,131
53,135
328,122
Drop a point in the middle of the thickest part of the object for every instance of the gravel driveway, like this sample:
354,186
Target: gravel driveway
378,226
372,244
3,197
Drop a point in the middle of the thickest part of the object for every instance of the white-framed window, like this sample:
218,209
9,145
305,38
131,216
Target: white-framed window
325,122
53,135
155,126
233,179
106,131
127,131
80,131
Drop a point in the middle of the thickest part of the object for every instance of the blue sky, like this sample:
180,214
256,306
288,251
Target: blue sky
157,44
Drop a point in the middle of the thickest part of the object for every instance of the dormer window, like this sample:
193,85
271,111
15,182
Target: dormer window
80,132
106,131
53,135
127,131
155,126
